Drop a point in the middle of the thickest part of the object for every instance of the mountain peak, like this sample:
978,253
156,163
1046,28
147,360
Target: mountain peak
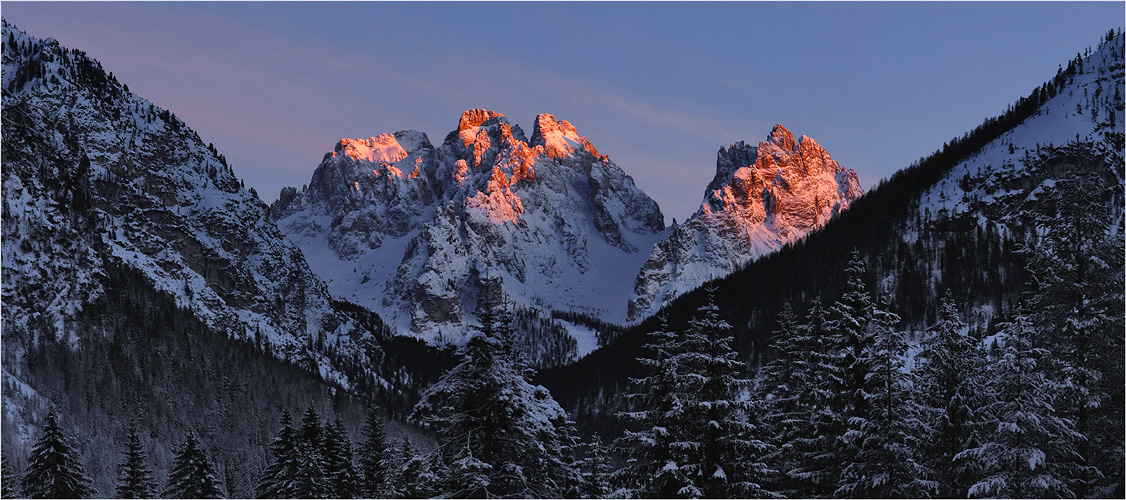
550,218
760,199
478,117
782,137
558,137
383,148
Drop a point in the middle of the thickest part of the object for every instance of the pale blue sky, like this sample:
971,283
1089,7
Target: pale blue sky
658,87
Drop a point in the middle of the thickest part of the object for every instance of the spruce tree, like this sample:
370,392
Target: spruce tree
192,475
723,445
278,479
1026,448
657,412
53,469
136,478
1077,274
951,392
851,316
596,470
417,478
9,479
798,384
311,479
339,469
808,449
881,435
499,434
845,364
374,463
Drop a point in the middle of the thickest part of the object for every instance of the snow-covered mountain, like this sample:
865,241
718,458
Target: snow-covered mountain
98,182
1085,106
422,233
960,222
762,197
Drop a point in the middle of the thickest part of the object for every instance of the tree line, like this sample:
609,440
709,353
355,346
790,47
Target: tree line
850,406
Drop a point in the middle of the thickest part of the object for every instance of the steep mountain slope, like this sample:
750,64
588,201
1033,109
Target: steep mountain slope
96,175
760,199
956,220
422,233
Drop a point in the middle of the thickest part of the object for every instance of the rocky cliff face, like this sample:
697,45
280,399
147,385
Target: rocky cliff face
762,197
96,178
419,232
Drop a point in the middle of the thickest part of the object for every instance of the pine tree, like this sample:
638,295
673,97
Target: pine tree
311,479
10,480
785,387
951,391
53,469
192,475
499,434
808,449
596,469
416,478
651,469
1077,271
1026,448
697,437
374,457
136,478
311,430
882,434
851,316
278,479
723,445
843,365
341,472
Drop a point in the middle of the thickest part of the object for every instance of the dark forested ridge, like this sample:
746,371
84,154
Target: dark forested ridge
976,254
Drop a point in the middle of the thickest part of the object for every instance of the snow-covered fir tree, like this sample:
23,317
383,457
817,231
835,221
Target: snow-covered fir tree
340,471
1077,271
596,469
723,442
949,373
53,468
656,412
793,390
374,459
278,479
698,436
9,478
416,476
192,474
882,434
136,477
499,435
851,316
311,480
807,445
1026,447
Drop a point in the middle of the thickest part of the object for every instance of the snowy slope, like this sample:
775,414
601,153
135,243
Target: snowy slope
1004,176
96,179
420,233
762,197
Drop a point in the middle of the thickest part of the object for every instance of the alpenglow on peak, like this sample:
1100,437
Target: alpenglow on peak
761,198
424,233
